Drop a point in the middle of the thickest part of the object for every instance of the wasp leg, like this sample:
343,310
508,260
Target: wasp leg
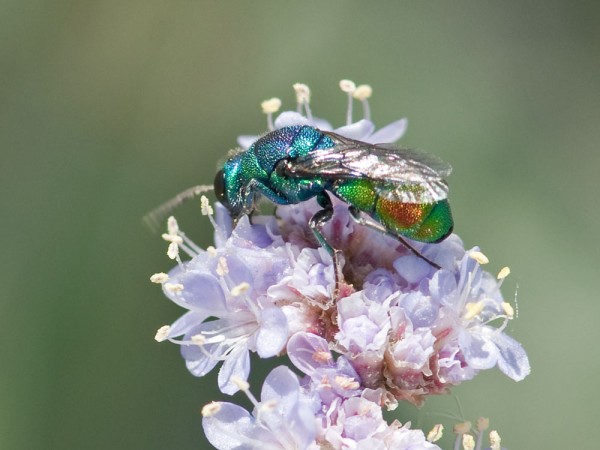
316,222
357,216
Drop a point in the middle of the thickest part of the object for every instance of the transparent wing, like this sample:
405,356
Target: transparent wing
410,176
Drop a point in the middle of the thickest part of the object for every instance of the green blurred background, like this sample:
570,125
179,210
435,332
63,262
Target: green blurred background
107,108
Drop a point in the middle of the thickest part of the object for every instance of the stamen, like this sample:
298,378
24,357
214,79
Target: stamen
468,442
473,309
267,406
242,385
302,93
241,288
190,248
362,93
504,272
269,107
222,268
211,409
325,382
508,310
159,278
303,99
172,238
436,433
199,340
462,428
483,423
162,333
211,250
205,206
348,87
173,250
322,356
174,287
494,440
459,430
347,383
479,257
172,225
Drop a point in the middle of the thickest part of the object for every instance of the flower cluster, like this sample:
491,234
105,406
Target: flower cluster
393,328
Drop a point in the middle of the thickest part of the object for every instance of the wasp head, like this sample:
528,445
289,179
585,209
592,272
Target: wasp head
229,192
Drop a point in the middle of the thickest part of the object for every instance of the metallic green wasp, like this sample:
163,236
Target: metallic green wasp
402,191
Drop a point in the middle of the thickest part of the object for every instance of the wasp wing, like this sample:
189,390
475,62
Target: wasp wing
406,175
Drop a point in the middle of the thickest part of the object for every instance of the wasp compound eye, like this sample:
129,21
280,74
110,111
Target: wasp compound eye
220,189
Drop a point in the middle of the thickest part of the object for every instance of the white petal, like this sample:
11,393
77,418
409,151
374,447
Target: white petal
273,333
290,118
321,124
360,130
186,322
389,133
513,360
238,364
480,352
245,141
228,428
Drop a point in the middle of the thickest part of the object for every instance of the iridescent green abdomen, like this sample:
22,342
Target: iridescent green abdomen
425,222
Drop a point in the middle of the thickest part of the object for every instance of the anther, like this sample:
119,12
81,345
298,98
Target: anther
269,107
302,93
241,288
347,383
479,257
325,383
436,433
347,86
172,238
268,405
205,206
504,272
322,356
211,250
473,309
508,310
159,278
198,339
362,93
173,250
468,442
162,333
211,409
172,226
462,428
494,440
483,423
174,287
222,268
242,385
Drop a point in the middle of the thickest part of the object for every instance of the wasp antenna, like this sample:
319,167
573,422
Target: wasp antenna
154,218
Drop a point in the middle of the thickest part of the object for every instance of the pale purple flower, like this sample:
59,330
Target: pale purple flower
282,420
228,284
395,328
